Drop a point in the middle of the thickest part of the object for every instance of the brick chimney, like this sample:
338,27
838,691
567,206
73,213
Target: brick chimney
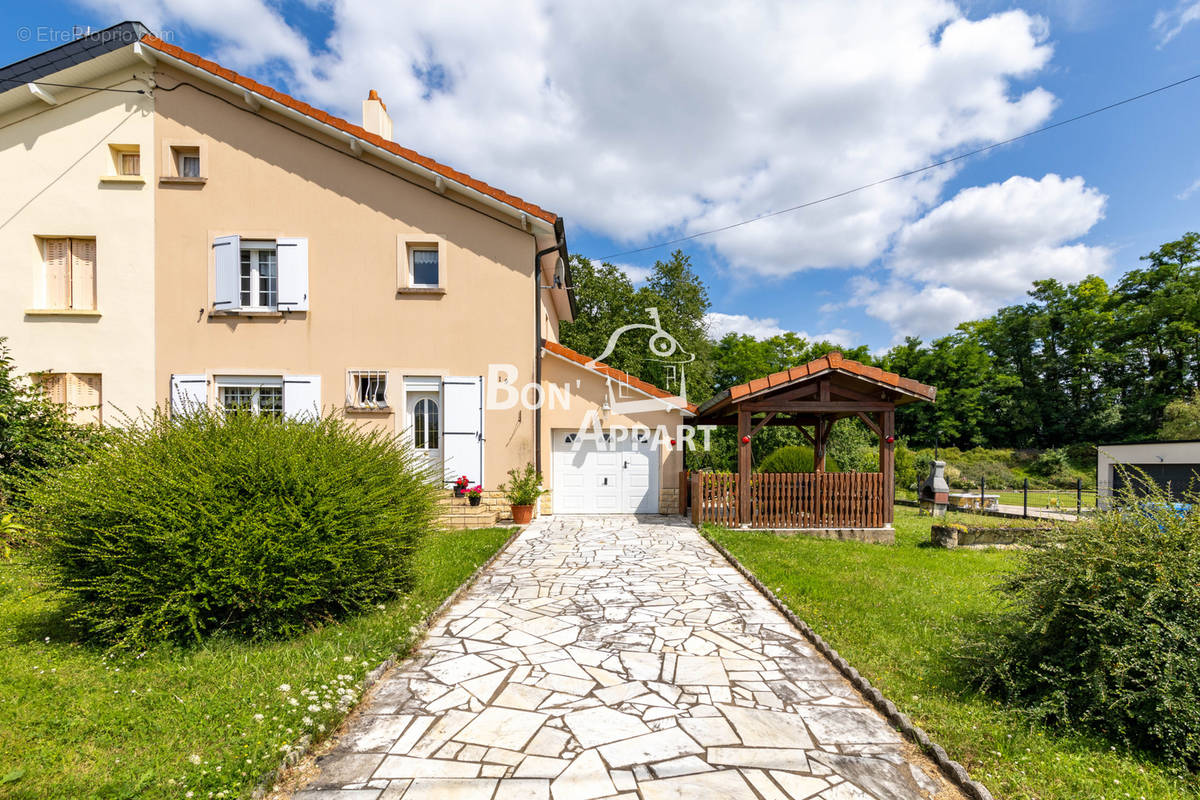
375,116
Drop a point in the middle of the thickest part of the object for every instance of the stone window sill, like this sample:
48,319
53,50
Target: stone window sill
177,179
421,290
122,179
61,312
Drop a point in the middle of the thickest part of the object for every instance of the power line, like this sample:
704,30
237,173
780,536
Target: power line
897,177
19,82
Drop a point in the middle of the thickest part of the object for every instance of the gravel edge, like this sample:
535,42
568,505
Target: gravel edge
955,772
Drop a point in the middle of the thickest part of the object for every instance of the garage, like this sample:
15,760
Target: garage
604,475
1174,467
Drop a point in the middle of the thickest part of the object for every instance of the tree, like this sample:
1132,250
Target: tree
607,301
1182,419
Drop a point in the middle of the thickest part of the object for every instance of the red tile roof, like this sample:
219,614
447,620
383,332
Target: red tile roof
832,361
346,127
612,372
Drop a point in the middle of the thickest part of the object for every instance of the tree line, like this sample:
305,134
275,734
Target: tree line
1084,362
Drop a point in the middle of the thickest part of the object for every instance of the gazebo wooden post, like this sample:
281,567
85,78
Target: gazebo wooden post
887,462
745,464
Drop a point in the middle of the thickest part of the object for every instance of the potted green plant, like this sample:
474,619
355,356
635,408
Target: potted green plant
475,494
523,489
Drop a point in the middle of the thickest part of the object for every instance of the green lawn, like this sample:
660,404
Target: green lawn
76,723
895,613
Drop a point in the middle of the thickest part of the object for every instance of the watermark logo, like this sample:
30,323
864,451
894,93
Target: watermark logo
49,34
504,392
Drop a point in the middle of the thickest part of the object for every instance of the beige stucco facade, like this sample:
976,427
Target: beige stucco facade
59,182
265,178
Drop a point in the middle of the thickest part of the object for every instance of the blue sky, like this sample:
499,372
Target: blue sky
639,125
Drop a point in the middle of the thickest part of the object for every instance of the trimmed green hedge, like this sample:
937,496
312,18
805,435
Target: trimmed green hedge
182,528
794,458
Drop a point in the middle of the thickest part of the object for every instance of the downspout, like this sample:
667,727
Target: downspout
561,247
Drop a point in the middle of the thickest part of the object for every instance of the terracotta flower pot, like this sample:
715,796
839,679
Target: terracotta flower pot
474,498
522,514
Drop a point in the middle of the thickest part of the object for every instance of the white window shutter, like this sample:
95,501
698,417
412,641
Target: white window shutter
227,268
301,396
188,393
292,254
462,428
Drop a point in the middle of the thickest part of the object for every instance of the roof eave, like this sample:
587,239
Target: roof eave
521,216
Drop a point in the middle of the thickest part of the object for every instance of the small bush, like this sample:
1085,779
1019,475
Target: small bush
184,527
794,458
1102,630
524,487
993,473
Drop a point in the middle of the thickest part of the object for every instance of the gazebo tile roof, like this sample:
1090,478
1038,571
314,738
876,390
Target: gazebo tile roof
833,361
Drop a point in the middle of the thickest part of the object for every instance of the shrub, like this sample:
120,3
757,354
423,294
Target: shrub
992,473
34,433
524,487
246,524
794,458
1102,631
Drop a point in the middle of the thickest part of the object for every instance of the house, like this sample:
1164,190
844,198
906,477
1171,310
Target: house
180,235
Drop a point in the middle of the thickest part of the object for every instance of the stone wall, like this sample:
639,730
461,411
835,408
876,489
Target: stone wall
950,536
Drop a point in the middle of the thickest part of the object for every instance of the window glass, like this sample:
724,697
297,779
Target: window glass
425,267
247,278
425,425
131,164
259,277
268,279
189,166
267,399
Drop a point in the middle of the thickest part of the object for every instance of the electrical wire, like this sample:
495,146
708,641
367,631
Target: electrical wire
19,82
901,175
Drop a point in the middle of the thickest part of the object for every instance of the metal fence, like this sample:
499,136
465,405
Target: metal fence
1021,499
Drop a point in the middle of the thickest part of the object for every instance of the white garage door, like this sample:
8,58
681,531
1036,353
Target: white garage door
604,478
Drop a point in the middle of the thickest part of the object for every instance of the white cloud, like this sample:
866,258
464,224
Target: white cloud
983,248
641,120
635,273
765,327
1168,24
1189,191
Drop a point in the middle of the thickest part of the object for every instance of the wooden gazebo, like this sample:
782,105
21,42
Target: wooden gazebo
810,397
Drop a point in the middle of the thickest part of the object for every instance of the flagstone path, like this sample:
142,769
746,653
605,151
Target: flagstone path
617,657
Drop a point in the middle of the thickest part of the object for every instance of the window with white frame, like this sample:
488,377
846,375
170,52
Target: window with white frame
424,269
251,394
367,389
425,427
259,277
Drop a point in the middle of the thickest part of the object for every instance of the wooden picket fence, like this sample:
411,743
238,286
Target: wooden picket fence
790,500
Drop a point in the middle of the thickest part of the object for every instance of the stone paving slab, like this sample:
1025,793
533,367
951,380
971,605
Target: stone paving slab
617,657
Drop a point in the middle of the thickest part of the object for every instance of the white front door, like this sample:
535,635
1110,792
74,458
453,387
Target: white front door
603,477
424,416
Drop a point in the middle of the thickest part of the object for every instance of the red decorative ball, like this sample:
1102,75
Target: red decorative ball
672,443
745,440
890,439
